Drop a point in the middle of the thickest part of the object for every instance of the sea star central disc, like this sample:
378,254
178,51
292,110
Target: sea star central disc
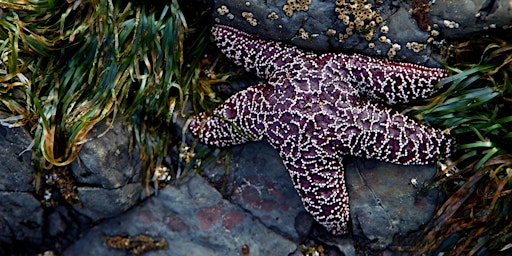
316,108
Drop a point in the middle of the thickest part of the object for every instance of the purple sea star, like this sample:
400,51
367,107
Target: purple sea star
317,108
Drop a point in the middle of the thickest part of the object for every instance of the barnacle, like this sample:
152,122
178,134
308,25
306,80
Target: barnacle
358,15
296,5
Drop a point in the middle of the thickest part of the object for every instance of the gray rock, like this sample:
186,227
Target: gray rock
399,22
388,199
347,247
64,226
57,222
108,183
21,219
322,27
383,200
460,18
343,244
21,215
194,220
105,161
107,175
258,182
99,203
16,164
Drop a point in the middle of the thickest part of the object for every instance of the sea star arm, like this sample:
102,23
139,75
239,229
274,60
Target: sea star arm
255,54
391,82
386,135
240,119
321,184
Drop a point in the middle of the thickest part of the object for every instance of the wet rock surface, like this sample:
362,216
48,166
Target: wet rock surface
398,29
107,176
193,219
105,161
21,216
21,220
244,198
388,200
261,208
17,167
255,179
107,181
462,18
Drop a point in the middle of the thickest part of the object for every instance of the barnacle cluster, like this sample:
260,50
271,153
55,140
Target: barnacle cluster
222,10
330,32
450,24
162,176
302,33
249,16
358,16
272,16
393,50
384,40
296,5
415,46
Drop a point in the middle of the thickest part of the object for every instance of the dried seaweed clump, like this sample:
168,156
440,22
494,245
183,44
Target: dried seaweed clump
137,245
358,16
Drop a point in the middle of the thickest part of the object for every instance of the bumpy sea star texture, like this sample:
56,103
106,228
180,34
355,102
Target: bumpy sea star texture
315,109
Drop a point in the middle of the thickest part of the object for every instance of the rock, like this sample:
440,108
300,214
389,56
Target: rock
392,29
258,182
106,161
193,219
63,226
16,164
21,221
107,179
99,203
346,246
261,208
388,200
107,175
21,215
383,201
458,19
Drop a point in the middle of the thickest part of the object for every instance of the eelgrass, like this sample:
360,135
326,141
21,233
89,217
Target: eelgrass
477,108
66,66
